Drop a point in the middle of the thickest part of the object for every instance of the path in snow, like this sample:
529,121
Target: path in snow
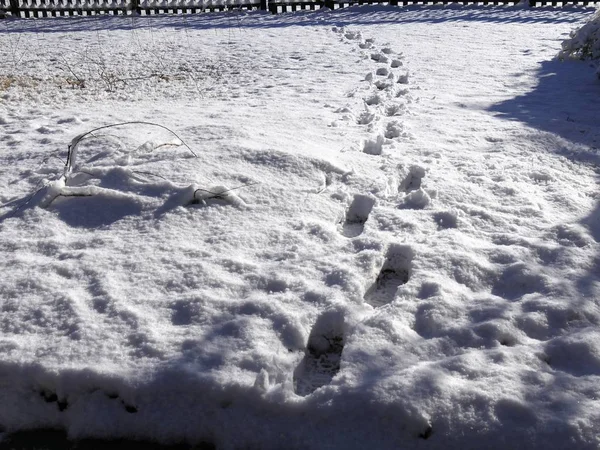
382,102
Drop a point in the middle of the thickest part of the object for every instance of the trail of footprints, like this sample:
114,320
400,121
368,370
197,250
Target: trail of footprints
383,103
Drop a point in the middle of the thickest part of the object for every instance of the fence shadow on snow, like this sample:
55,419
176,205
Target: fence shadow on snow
59,8
357,15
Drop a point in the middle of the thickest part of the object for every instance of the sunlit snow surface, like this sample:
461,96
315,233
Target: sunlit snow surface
388,238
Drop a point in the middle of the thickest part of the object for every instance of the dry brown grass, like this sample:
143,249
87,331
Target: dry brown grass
8,81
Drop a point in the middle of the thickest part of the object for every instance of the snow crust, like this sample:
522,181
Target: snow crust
388,237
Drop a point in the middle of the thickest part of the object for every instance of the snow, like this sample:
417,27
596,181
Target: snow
584,43
370,227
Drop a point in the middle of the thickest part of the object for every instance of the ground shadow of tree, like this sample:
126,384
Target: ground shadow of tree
566,103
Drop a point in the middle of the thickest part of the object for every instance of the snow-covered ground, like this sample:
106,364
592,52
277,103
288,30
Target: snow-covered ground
369,228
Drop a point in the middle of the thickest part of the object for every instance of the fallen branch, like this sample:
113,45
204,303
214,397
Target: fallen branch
72,149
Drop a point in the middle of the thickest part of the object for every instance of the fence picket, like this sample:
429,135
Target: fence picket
45,8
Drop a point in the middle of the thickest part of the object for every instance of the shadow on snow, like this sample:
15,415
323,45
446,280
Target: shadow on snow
565,103
352,16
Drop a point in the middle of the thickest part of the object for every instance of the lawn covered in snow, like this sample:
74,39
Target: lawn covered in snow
370,228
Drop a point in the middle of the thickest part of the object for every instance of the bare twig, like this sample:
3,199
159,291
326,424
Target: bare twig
72,147
220,194
53,155
151,174
80,82
72,195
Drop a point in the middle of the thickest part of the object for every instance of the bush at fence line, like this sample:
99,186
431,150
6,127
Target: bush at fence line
584,43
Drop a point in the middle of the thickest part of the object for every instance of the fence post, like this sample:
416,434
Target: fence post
14,8
264,5
135,7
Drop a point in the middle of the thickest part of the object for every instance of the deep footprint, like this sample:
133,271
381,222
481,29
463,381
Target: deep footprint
412,181
394,273
394,130
357,215
394,110
374,99
323,354
374,147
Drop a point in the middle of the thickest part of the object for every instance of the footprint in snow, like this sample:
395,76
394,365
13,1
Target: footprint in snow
384,85
394,109
446,219
380,58
374,147
401,92
366,117
323,354
357,215
375,99
412,181
403,79
353,35
394,273
394,129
